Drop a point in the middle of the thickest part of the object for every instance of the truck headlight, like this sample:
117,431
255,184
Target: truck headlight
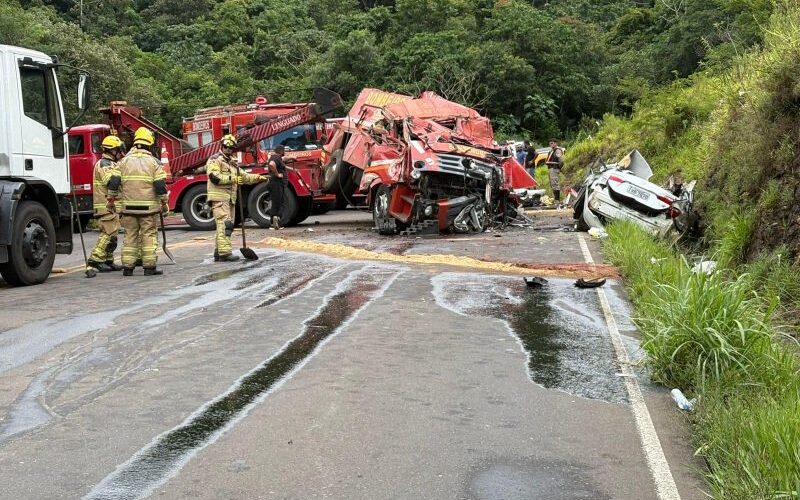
429,210
416,174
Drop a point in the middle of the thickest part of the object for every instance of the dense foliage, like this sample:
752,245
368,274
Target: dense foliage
537,68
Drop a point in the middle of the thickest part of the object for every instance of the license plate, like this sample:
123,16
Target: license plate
634,191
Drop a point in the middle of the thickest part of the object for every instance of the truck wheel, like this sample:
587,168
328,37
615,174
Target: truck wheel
305,206
336,174
33,246
384,223
259,204
195,209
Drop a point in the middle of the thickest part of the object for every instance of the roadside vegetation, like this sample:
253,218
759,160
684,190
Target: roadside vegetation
716,337
728,338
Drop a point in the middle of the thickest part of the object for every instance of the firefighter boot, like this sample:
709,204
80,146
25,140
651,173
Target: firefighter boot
276,222
114,267
152,271
127,271
101,267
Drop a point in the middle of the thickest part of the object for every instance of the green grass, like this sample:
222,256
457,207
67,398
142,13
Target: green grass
715,337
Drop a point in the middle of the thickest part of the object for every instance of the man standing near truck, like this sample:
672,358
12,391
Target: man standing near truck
554,162
143,194
277,184
224,178
105,188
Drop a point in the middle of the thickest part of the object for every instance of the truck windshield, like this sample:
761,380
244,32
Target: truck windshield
301,137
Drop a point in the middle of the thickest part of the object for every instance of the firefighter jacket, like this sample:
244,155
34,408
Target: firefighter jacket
143,186
224,178
105,184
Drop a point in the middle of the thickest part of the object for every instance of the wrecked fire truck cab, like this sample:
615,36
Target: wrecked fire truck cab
424,164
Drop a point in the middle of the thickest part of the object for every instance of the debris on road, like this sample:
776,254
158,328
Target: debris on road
683,403
535,282
590,283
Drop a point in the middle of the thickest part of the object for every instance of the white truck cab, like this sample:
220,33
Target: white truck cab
35,213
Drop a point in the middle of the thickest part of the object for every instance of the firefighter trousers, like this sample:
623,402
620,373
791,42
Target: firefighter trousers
107,242
222,218
141,239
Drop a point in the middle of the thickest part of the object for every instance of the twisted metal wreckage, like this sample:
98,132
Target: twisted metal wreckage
423,165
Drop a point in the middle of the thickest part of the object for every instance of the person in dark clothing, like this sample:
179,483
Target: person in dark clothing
277,185
530,158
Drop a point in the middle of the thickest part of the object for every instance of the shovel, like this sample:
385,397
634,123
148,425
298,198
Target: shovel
247,253
164,240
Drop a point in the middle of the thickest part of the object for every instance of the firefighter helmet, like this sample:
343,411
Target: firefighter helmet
229,141
111,142
143,135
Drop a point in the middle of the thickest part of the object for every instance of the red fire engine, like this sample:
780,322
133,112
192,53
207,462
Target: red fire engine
259,127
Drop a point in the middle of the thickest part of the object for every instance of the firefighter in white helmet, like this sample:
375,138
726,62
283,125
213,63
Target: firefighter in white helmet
143,194
224,178
105,188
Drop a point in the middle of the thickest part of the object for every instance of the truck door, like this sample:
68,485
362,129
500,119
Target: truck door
6,122
44,146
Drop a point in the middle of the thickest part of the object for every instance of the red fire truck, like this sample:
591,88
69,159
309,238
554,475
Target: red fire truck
259,127
84,151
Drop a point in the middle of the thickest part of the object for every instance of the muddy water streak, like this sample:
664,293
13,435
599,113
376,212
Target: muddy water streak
164,457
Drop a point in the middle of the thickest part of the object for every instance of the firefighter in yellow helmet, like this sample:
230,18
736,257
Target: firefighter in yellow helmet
105,188
224,178
143,193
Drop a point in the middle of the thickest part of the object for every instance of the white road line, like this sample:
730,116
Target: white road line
651,445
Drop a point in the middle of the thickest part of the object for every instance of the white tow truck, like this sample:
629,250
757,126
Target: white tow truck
35,211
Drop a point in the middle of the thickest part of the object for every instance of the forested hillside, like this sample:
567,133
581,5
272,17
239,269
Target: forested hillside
537,68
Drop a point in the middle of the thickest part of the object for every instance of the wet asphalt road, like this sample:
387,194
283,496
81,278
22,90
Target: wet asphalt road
306,375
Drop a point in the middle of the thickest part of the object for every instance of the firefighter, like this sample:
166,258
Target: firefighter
143,193
554,162
224,178
277,185
105,188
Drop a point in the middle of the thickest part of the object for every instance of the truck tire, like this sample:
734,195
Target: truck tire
305,206
33,246
258,205
336,174
195,209
384,223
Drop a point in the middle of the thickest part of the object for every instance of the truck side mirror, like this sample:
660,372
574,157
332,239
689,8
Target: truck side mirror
83,92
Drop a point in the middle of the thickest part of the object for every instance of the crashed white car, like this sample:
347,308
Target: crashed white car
622,190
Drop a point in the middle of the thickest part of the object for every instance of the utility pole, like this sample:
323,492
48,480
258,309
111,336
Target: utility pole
80,21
